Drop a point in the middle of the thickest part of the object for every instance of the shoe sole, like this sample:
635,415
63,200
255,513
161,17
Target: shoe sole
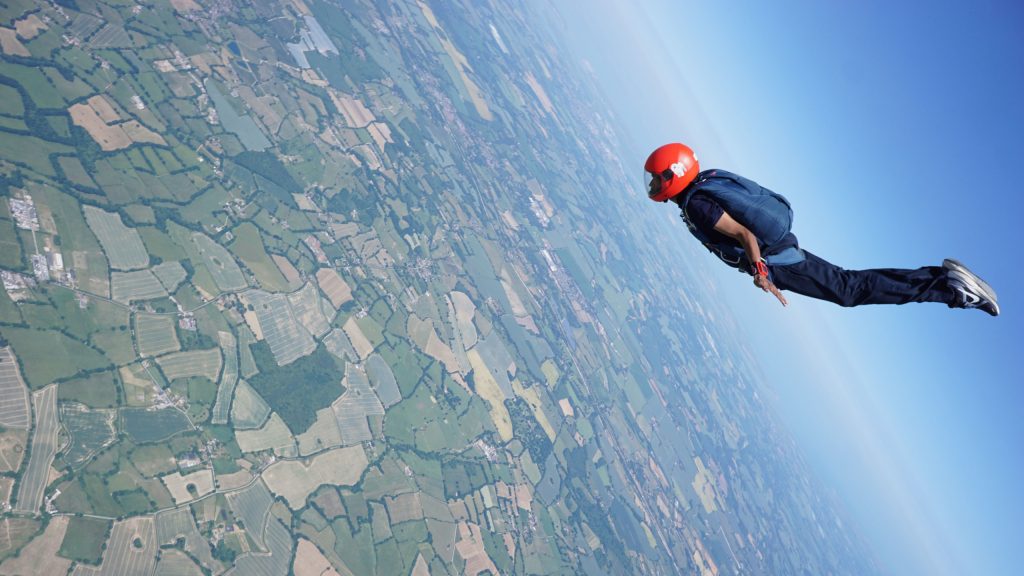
969,278
960,272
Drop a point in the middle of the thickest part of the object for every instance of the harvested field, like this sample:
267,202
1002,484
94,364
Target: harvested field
10,44
155,335
337,343
249,410
308,310
204,363
295,481
488,389
274,435
40,555
190,486
170,274
464,311
322,434
122,245
128,287
309,561
359,341
176,563
279,544
471,548
131,549
14,407
334,286
251,506
425,337
14,532
102,122
287,338
44,448
29,26
353,407
404,507
287,270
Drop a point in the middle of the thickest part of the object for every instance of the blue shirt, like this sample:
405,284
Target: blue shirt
703,212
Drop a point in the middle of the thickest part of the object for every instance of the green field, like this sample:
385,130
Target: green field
97,390
248,246
47,355
153,425
84,540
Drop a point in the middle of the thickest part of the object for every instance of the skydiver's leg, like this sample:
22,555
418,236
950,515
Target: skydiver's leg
820,279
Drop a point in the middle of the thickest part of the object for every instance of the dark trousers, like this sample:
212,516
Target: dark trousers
820,279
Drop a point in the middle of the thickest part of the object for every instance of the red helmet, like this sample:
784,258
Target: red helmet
671,168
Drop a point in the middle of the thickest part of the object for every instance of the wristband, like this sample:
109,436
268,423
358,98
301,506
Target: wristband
760,269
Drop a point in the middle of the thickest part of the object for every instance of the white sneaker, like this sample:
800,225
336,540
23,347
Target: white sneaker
971,291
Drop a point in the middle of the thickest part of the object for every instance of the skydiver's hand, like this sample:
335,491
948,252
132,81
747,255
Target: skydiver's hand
765,284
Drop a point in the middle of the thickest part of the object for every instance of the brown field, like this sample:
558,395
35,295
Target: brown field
40,555
471,548
178,485
404,507
488,389
330,504
334,286
10,44
288,270
295,480
186,5
6,483
108,137
309,561
541,95
232,481
355,112
29,27
363,346
97,116
140,133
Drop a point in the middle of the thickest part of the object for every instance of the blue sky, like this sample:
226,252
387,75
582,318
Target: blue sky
895,131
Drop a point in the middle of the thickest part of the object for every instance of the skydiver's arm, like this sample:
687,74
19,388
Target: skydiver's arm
738,232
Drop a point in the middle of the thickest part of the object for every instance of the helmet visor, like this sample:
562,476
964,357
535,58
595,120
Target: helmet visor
655,183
